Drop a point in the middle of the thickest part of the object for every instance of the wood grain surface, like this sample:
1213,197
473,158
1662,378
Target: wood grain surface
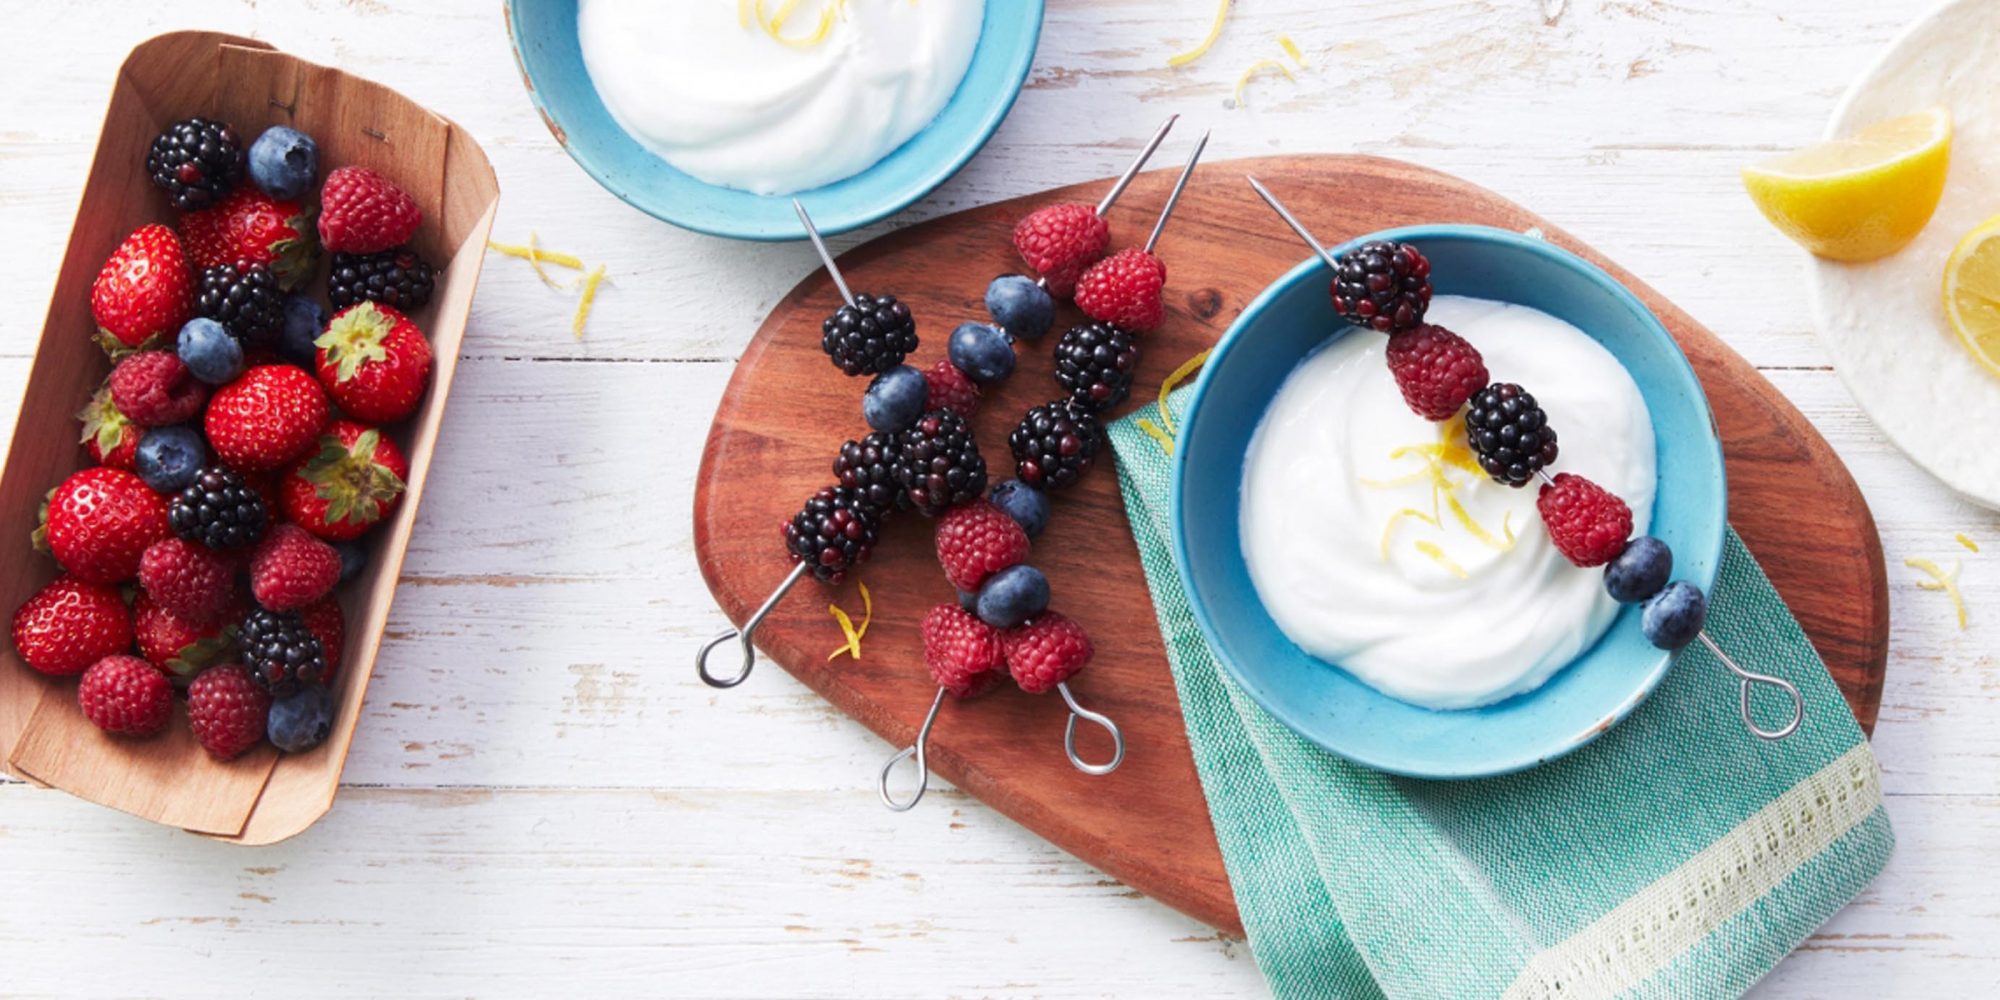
782,417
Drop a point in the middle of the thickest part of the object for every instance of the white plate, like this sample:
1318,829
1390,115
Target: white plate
1883,321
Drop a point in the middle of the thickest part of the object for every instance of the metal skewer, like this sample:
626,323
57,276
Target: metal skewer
825,258
1138,163
1748,679
1076,712
1174,196
746,634
921,751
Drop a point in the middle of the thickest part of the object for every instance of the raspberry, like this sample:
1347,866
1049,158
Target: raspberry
1588,523
976,540
1059,241
1436,369
227,709
1045,651
1124,290
1382,285
188,579
951,389
963,653
126,696
363,212
153,389
291,569
328,624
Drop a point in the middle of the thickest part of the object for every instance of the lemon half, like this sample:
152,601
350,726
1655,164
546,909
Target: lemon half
1972,293
1862,197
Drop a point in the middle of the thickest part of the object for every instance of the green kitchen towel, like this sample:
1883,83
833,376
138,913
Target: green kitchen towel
1678,856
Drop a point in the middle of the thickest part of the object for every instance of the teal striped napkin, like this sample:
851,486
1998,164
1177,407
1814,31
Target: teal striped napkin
1676,857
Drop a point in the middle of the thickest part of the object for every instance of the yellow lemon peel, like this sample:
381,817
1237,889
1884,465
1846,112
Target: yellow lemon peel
1437,556
1389,529
1292,49
1153,431
1251,72
774,24
1448,452
534,254
1940,580
1965,540
1187,368
852,646
1214,32
584,303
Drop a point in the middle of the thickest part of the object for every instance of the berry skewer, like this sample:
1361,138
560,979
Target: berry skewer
1059,241
1385,286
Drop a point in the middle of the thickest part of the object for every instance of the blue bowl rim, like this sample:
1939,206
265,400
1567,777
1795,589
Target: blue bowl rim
942,171
1682,370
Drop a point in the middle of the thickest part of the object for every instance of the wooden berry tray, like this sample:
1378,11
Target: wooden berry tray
787,410
262,796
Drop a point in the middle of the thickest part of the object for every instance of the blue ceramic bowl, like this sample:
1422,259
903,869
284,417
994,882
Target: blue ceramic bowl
1327,705
545,43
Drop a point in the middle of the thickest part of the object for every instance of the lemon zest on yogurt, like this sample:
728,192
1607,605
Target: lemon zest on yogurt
1940,580
1251,72
1437,555
1201,49
774,24
1389,529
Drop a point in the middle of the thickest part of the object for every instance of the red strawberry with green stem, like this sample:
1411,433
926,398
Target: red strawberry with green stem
374,362
178,647
108,436
101,522
354,481
268,418
252,226
144,292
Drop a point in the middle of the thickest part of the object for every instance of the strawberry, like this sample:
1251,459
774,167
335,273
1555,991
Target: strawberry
1045,651
362,212
355,480
374,362
268,418
144,292
227,710
100,522
178,647
328,624
125,696
253,227
292,569
69,625
154,389
188,579
108,437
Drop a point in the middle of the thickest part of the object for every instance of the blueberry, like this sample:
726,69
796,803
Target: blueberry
1020,307
1012,596
981,352
1028,506
305,320
284,162
169,458
208,351
968,601
300,721
895,399
1673,616
1640,571
353,559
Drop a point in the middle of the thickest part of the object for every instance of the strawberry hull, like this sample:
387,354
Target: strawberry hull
262,796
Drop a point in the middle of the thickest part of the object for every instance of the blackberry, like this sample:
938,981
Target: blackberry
244,298
869,337
1510,434
832,532
1095,363
868,467
1054,443
397,278
281,651
218,510
939,464
195,161
1383,285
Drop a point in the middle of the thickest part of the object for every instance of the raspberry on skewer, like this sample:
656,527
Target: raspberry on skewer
1125,288
1058,241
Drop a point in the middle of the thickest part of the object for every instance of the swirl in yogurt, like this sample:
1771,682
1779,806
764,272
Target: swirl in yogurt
1361,567
708,87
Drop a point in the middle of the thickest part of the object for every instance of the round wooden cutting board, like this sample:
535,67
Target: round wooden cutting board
787,410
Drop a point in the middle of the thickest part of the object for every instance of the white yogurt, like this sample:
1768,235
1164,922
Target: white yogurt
734,106
1320,487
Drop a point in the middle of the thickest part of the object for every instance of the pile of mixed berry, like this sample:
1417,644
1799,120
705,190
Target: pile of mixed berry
240,442
1386,286
923,456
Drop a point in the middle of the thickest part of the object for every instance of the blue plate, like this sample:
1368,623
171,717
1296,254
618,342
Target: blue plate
545,43
1327,705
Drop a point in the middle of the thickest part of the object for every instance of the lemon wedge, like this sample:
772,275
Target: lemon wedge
1861,197
1972,293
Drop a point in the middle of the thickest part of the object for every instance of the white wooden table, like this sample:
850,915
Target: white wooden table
543,801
